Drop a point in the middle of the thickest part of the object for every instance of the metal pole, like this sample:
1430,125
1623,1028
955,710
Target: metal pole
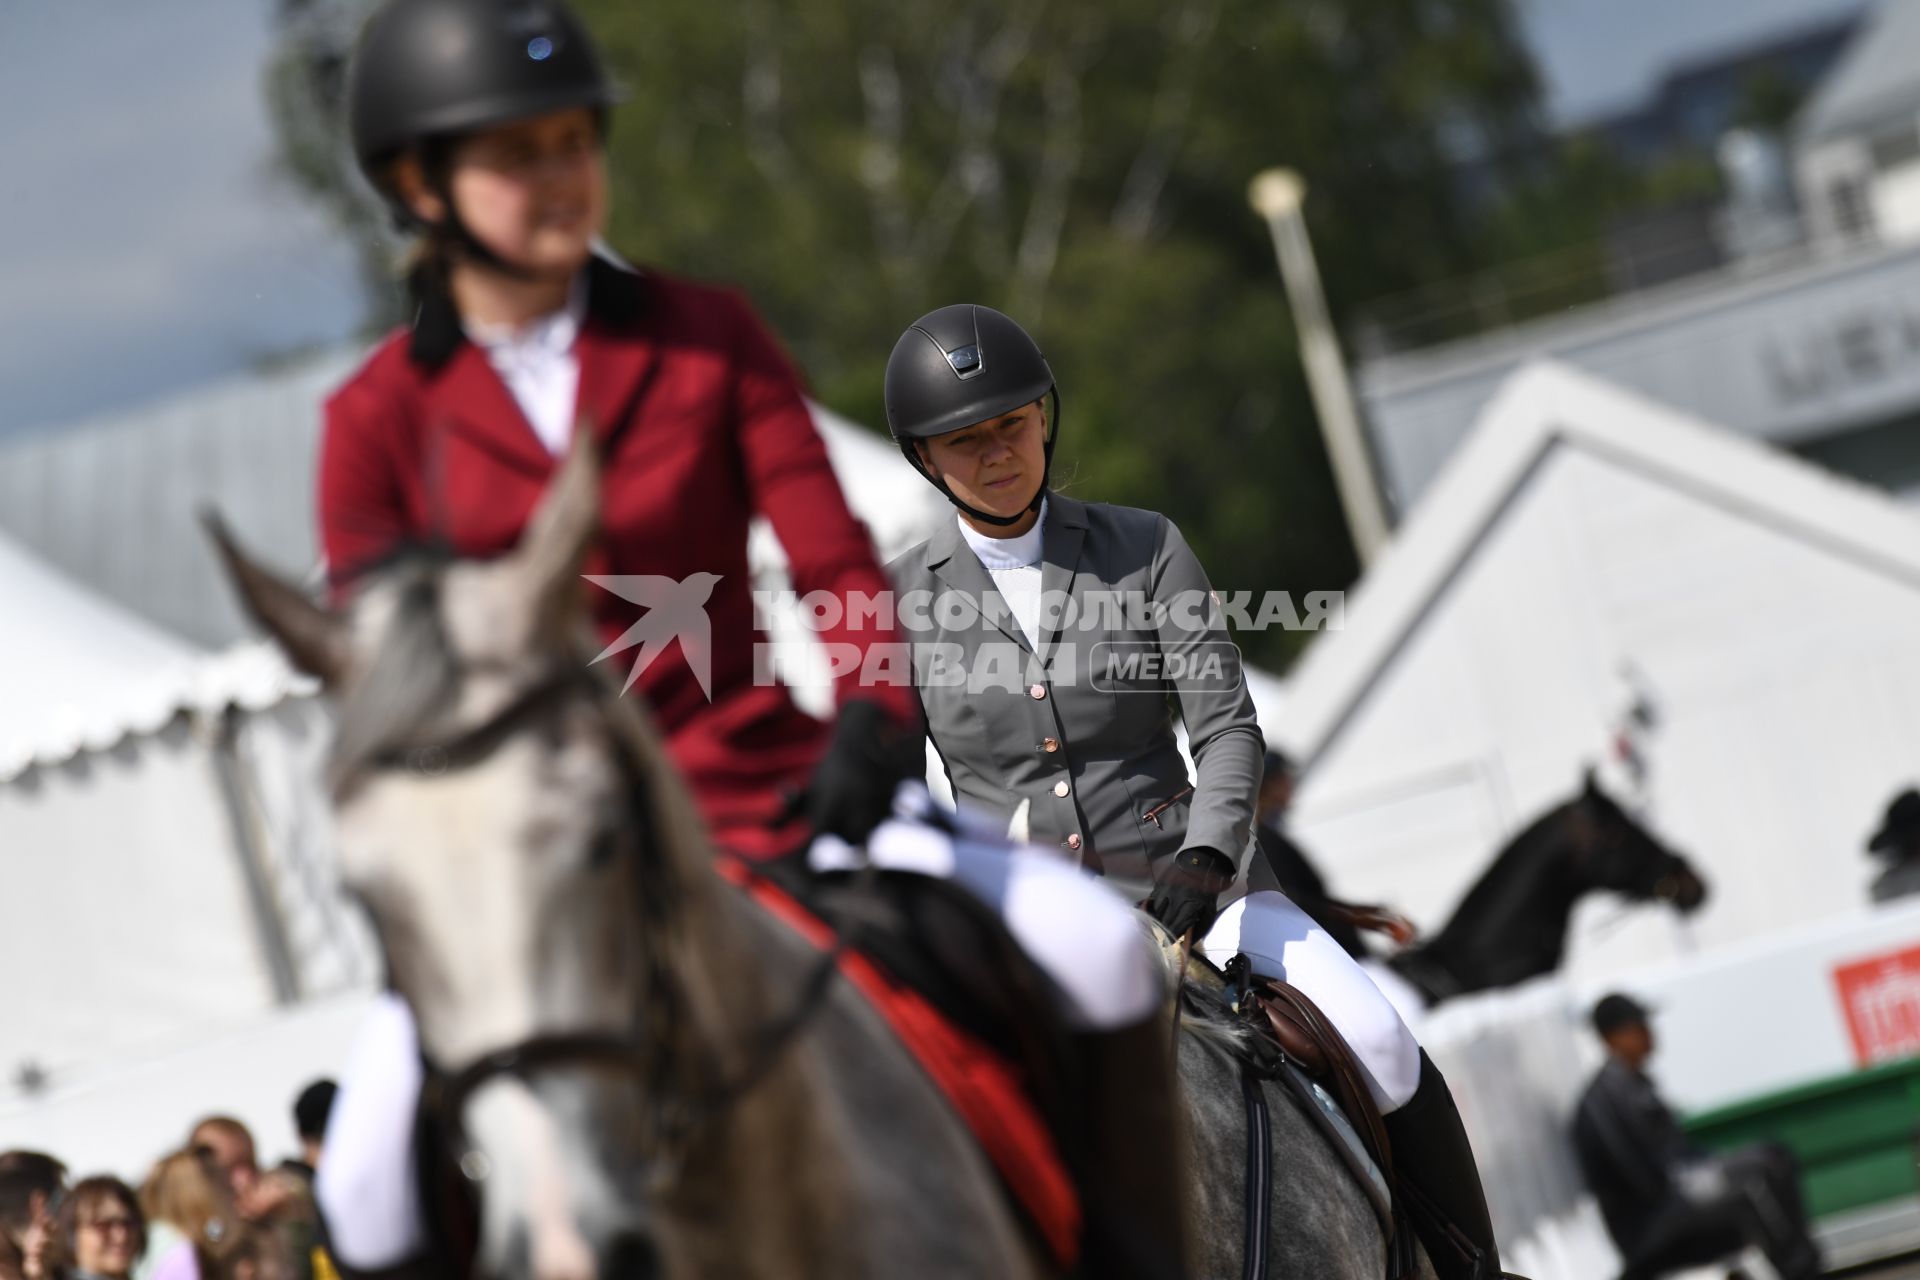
220,730
1276,195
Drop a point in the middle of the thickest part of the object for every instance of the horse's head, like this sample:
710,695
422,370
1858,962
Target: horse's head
509,825
1612,851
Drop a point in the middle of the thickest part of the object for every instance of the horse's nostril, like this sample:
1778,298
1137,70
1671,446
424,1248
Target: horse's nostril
631,1257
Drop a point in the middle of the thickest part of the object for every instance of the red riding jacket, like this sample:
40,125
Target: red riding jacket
701,427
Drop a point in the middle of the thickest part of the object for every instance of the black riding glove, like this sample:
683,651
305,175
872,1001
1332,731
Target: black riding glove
868,756
1188,890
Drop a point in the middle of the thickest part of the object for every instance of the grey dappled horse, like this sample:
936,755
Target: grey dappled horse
1321,1224
656,1077
646,1074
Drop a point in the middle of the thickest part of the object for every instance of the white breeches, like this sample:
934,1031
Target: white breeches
1082,935
1282,941
365,1184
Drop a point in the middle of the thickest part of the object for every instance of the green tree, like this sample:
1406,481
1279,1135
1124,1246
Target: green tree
1081,164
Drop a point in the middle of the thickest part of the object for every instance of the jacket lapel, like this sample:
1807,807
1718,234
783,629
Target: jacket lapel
953,561
472,399
618,355
616,358
1060,540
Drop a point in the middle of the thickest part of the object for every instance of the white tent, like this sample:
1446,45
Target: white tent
76,672
1585,544
138,843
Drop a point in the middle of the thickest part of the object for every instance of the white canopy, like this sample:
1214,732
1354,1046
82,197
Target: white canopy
76,672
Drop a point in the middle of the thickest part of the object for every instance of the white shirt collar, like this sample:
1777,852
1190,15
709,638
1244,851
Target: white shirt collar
1006,553
551,334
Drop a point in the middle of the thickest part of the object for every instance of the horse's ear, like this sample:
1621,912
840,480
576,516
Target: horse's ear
314,639
1590,781
548,561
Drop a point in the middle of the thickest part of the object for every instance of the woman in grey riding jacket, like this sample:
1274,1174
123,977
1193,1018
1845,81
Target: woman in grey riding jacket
1053,641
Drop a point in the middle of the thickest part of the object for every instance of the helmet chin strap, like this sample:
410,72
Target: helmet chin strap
1039,495
452,231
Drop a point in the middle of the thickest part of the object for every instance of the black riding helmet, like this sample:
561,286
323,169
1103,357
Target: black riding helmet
961,365
430,70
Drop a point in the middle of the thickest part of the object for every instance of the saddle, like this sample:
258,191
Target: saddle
1295,1045
1313,1044
1288,1022
968,1004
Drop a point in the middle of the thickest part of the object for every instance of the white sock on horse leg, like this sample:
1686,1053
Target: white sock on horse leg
1282,941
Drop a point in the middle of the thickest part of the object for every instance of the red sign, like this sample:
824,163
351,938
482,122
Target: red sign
1881,997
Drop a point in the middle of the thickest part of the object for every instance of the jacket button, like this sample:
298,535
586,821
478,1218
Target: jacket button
1060,788
1037,692
1050,744
1073,841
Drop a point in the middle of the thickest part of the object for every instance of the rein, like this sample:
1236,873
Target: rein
676,1128
679,1117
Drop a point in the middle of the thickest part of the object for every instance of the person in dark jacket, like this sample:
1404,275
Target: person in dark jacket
1898,843
1669,1204
1284,866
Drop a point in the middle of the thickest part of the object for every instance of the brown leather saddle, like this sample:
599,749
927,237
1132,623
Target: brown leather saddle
1313,1044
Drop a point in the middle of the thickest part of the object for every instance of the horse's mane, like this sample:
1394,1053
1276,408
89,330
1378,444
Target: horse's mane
1508,871
1205,1015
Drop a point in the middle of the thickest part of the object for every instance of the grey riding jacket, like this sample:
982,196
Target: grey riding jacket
1083,725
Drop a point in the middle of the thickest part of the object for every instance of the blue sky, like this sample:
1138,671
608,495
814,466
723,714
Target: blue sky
146,244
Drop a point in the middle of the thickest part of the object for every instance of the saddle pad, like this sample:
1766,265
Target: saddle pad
980,1083
1331,1119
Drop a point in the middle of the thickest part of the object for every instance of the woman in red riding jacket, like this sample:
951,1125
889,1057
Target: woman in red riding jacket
480,122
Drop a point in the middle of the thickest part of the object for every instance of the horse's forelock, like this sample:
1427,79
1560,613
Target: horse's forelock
411,674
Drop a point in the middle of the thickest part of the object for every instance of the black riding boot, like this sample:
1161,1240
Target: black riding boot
1131,1157
1434,1165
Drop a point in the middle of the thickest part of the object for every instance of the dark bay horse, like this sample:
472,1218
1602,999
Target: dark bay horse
1512,925
644,1074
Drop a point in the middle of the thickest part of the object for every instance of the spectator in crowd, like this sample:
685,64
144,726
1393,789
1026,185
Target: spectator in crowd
301,1229
205,1237
31,1186
227,1146
1668,1204
277,1198
188,1214
310,1112
1898,842
1288,869
103,1229
281,1201
1284,865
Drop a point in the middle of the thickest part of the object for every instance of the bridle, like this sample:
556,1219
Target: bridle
682,1107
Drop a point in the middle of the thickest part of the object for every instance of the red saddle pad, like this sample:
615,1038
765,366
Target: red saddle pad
981,1084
